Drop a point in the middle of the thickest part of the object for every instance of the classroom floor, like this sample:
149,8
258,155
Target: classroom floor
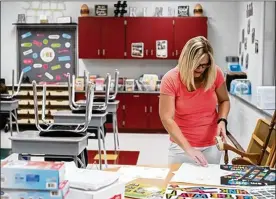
142,149
152,148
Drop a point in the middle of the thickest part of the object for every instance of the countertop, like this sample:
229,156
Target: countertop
252,101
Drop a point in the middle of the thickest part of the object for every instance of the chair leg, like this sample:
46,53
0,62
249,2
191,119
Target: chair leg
116,130
99,147
104,149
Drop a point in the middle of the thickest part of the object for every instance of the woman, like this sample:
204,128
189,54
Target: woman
189,96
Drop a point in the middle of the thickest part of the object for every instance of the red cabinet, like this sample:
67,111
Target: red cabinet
154,118
148,30
89,37
187,28
112,37
136,111
101,37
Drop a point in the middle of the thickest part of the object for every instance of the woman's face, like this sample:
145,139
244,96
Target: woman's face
203,64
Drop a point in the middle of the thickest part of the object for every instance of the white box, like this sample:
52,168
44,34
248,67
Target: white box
33,194
114,191
266,97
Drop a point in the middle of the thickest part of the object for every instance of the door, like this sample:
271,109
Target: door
136,111
154,118
187,28
89,37
138,30
113,38
163,30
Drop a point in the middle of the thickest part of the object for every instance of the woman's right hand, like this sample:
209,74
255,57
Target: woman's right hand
197,156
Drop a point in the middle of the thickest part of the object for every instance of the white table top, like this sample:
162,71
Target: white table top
34,136
70,114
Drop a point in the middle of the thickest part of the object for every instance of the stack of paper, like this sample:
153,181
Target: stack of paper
129,173
191,173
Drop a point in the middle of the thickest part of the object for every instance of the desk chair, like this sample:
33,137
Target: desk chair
9,104
111,103
261,149
63,129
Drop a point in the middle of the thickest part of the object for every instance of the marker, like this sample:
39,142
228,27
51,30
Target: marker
66,36
27,69
35,55
64,58
40,35
27,52
49,76
67,65
63,51
55,67
58,77
26,45
53,36
67,45
28,34
37,65
39,76
55,45
45,66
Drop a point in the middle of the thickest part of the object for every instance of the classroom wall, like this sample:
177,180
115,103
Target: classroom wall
222,31
261,65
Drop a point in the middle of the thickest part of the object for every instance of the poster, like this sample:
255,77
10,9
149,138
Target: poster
143,191
162,48
46,54
189,192
137,50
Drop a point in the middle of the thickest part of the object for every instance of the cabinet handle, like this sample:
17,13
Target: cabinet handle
136,95
173,54
146,109
176,52
99,51
147,52
103,52
124,107
150,109
151,52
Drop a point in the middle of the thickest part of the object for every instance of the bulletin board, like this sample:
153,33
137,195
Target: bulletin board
46,53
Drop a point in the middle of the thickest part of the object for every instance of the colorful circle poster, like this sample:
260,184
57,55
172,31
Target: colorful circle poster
47,54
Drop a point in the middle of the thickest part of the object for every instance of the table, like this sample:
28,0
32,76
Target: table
97,121
111,108
10,106
29,143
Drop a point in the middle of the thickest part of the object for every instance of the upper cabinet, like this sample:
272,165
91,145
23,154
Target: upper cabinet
137,37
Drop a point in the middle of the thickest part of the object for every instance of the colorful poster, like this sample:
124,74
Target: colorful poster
46,54
143,191
189,192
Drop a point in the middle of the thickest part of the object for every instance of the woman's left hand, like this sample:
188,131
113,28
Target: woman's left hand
222,131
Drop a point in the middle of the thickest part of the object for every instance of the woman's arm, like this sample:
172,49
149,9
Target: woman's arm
166,112
223,101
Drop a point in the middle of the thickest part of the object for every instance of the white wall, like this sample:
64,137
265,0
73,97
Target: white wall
222,31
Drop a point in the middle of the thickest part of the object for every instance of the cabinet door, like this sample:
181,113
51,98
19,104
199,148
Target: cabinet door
136,111
120,110
163,29
113,38
154,118
89,37
138,30
187,28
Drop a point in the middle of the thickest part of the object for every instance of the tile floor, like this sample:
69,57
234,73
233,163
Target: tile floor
153,147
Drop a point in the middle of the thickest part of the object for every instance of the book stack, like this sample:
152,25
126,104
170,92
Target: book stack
27,179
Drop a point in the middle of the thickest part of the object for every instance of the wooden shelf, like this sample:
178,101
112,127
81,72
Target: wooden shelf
57,99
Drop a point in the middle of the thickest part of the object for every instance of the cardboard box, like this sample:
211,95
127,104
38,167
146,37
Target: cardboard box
34,194
21,174
114,191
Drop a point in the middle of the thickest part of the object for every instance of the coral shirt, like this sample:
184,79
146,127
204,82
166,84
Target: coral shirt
195,112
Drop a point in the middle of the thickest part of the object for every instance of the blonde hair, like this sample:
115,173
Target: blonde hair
193,51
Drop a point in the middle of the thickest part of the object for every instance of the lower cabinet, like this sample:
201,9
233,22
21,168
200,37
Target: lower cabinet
140,113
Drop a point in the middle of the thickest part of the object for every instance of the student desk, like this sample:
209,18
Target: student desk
10,107
29,143
97,121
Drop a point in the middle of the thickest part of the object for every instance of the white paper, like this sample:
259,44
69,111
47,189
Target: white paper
129,173
90,180
191,173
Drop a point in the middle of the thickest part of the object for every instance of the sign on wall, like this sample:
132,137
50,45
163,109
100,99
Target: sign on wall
46,54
